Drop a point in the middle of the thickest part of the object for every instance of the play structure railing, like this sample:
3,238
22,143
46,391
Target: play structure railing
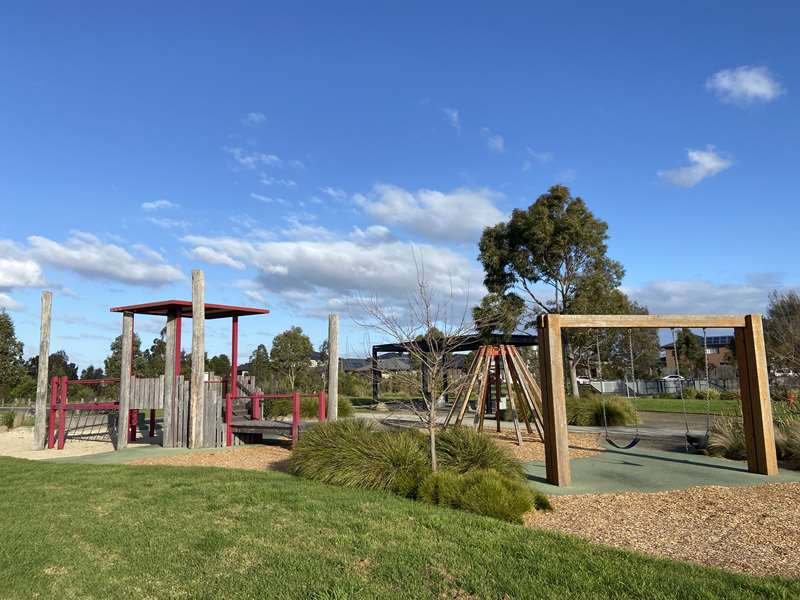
256,410
59,405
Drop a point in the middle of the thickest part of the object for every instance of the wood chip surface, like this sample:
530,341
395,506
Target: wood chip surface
256,457
532,448
753,530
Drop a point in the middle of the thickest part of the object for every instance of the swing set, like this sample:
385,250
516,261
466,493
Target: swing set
753,383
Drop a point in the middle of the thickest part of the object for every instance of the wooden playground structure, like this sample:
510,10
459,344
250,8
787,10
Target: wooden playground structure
204,411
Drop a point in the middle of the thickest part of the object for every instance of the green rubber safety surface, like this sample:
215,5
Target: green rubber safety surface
648,470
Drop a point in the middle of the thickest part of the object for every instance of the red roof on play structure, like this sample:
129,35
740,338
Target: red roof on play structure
184,309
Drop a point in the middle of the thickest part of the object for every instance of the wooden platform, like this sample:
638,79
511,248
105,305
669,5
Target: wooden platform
245,425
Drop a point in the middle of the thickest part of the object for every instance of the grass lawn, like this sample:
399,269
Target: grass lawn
96,531
698,406
727,407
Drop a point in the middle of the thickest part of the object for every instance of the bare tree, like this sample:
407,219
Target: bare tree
429,326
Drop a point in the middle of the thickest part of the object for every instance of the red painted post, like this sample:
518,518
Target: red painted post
229,419
51,424
62,401
255,406
295,417
133,419
152,422
322,402
234,354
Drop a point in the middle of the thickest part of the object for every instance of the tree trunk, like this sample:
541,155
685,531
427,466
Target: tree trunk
573,376
432,434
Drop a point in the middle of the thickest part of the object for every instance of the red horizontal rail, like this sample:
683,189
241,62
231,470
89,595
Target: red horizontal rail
92,381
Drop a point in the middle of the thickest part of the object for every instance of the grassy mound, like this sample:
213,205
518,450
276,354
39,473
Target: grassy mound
173,532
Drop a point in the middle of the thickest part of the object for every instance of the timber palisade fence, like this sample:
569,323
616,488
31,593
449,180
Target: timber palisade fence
230,418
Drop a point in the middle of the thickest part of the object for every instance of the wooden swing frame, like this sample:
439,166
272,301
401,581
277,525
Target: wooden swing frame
753,381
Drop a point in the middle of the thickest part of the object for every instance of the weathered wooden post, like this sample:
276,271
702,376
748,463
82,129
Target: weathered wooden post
171,357
551,363
125,380
40,418
333,367
756,403
198,359
376,377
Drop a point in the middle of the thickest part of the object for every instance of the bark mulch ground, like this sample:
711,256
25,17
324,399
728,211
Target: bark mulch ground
753,530
257,458
580,444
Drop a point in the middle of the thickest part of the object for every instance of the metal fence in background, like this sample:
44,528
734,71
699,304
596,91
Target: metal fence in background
659,387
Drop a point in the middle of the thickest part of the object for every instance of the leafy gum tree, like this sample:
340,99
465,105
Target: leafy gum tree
556,244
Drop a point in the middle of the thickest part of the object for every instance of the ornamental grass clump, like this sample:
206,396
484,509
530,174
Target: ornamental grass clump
462,449
352,453
726,438
309,408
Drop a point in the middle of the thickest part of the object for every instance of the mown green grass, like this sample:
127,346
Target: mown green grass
698,406
92,531
693,406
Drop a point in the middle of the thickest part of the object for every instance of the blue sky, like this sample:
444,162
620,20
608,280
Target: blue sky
298,153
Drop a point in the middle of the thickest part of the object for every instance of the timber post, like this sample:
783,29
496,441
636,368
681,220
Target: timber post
125,372
171,357
333,367
756,404
40,418
556,440
198,360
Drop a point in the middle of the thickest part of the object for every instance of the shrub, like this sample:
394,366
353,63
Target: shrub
442,488
484,492
309,408
351,453
728,395
8,419
588,411
491,494
462,449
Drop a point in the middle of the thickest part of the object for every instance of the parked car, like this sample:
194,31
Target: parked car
673,377
584,380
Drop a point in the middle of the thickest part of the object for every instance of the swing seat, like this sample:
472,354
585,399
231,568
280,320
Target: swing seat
698,442
627,446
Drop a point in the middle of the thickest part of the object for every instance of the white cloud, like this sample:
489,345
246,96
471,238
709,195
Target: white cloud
166,223
215,257
453,117
703,164
18,272
316,271
269,180
8,303
256,296
744,85
267,199
85,254
158,205
459,215
373,233
334,193
542,158
254,119
704,297
494,141
251,159
297,164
